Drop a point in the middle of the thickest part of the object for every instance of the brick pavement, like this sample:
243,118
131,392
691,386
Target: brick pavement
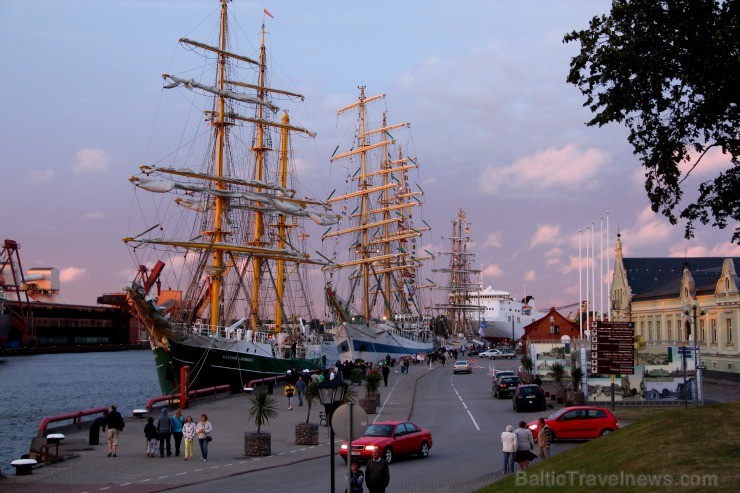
132,472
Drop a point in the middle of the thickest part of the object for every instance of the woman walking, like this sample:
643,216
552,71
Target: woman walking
524,446
508,439
177,421
203,432
188,435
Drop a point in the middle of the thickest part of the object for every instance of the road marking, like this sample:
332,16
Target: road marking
228,465
124,484
162,477
106,488
472,418
181,473
145,480
242,462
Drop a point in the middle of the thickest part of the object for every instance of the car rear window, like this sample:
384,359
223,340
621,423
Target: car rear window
528,390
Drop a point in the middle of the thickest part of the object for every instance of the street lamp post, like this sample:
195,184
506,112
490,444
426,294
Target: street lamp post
331,393
695,310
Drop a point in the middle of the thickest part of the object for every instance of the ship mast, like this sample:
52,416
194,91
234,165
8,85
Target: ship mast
217,234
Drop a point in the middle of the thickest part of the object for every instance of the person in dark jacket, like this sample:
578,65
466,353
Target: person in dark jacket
356,479
386,370
115,424
152,437
377,475
164,428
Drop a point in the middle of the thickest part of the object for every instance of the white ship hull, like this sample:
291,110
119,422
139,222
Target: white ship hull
502,316
372,343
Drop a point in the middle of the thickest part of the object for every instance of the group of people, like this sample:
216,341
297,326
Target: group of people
518,445
182,429
376,475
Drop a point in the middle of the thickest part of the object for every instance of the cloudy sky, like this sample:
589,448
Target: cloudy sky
498,131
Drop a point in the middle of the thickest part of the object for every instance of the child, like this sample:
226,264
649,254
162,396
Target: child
188,434
152,437
289,391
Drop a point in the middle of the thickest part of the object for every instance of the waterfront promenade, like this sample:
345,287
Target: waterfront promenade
90,470
465,421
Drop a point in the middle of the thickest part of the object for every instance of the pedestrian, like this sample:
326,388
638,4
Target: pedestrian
177,421
289,390
152,437
377,475
524,446
508,439
203,432
388,359
386,370
443,359
164,428
115,424
300,389
356,479
543,439
188,434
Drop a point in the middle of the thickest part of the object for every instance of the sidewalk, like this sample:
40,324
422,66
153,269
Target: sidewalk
90,469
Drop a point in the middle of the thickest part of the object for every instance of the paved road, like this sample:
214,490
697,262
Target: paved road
466,424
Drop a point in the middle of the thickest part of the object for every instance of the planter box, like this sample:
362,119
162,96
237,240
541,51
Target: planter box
306,434
257,444
368,404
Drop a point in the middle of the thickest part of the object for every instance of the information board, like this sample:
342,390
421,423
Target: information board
612,348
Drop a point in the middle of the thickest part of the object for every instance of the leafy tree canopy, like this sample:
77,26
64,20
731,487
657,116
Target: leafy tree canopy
668,70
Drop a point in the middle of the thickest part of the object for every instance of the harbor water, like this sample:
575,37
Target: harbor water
34,387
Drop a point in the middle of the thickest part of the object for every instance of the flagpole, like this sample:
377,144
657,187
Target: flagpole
580,289
601,268
608,277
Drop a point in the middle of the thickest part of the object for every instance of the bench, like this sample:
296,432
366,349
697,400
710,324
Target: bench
23,467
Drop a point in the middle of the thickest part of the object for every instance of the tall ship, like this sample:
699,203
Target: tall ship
225,240
474,311
463,314
376,285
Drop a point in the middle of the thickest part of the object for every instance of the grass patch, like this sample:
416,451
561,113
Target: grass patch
686,450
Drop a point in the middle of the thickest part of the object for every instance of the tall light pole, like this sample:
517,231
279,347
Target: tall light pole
695,309
331,393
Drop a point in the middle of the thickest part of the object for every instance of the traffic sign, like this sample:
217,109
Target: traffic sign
612,348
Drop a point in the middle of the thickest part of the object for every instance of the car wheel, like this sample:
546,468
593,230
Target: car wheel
605,431
388,455
424,450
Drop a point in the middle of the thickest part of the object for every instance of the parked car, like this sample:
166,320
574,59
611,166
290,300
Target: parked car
505,386
504,353
502,373
392,438
461,366
578,423
474,352
489,353
529,396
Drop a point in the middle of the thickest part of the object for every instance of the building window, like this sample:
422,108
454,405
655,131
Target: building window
642,328
713,324
668,330
728,329
650,331
657,330
702,331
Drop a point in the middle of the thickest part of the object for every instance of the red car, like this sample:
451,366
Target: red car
392,438
578,423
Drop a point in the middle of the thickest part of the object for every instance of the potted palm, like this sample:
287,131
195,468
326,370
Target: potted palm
576,395
557,373
263,409
527,367
372,382
308,433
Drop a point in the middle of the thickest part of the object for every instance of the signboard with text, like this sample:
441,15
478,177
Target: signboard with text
612,348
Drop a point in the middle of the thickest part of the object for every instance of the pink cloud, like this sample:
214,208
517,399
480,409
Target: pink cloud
492,270
71,274
493,240
545,235
530,275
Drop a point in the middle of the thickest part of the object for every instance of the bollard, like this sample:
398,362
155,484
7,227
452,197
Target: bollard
97,423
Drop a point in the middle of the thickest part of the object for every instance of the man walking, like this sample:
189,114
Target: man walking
386,371
377,475
543,439
300,389
115,424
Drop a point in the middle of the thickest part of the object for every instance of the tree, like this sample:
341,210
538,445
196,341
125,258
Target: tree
668,70
263,408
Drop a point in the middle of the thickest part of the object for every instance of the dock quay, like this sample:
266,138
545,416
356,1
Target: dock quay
465,420
86,468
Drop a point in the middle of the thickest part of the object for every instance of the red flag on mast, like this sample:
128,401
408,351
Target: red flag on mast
268,13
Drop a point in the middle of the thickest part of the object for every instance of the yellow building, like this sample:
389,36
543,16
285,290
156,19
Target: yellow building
682,300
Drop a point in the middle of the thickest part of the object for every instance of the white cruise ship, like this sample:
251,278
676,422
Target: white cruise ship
500,314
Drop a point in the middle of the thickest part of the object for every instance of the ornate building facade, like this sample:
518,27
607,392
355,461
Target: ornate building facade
689,301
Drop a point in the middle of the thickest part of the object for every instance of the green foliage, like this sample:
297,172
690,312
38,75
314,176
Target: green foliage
557,373
670,72
527,363
312,392
350,394
263,409
576,378
372,381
